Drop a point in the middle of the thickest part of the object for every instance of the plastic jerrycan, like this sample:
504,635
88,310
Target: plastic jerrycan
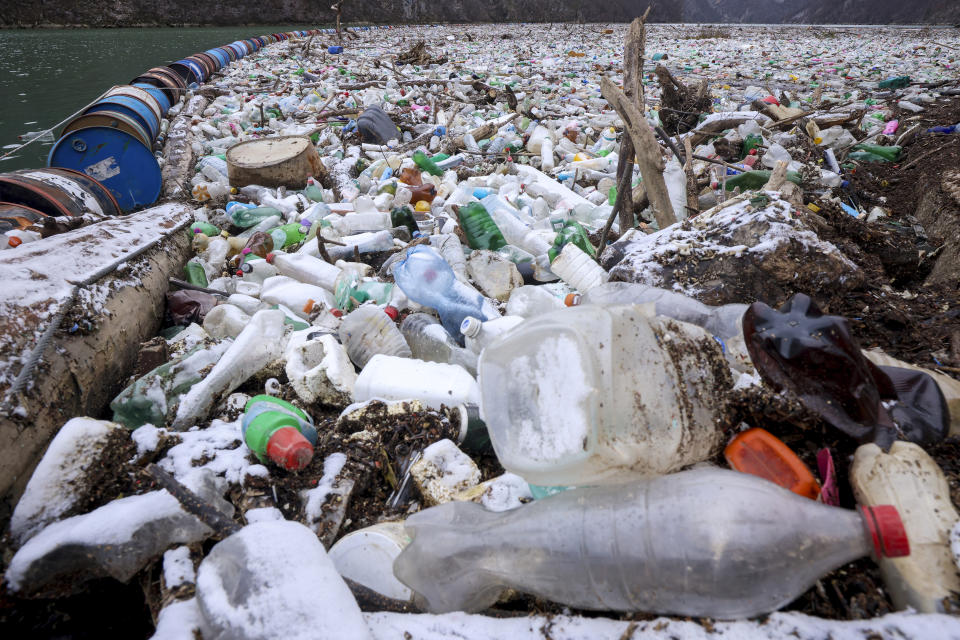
601,395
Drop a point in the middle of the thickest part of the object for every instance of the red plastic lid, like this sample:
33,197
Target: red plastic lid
270,257
289,449
392,312
14,241
886,530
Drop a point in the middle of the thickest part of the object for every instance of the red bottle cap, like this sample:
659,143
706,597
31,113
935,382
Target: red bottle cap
392,312
14,241
270,257
289,449
886,530
337,313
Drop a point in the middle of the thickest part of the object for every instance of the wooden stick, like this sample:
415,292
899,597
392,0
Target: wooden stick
693,192
648,151
913,162
192,503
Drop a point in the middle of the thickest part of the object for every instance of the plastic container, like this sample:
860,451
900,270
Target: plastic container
297,296
908,478
369,331
433,383
594,395
276,430
530,300
429,341
760,453
723,321
306,269
427,279
578,269
366,557
481,231
704,543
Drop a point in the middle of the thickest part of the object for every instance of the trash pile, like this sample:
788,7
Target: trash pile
463,333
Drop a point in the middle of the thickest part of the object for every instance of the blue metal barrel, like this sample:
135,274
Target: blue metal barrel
158,94
123,121
115,159
222,58
132,107
189,70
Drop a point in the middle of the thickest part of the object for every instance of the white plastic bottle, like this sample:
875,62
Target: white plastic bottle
908,478
598,395
706,543
433,383
478,334
531,300
306,269
577,269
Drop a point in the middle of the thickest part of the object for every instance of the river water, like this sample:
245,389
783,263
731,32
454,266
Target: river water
48,74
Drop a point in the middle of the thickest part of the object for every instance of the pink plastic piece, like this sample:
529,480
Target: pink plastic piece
829,494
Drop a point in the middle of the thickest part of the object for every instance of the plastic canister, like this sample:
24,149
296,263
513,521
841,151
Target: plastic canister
366,557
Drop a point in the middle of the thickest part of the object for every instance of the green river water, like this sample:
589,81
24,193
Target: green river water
48,74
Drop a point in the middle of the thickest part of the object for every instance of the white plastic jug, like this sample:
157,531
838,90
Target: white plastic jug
599,395
433,383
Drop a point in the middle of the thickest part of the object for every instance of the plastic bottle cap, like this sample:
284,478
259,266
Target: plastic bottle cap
308,307
470,326
572,299
392,311
886,529
270,257
246,250
14,241
336,313
289,449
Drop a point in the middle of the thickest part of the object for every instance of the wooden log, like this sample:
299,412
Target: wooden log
649,158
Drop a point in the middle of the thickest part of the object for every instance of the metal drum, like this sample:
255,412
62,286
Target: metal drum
46,196
189,70
18,216
114,158
162,100
164,79
113,119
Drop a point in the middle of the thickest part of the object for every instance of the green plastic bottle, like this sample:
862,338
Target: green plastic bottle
276,430
313,191
898,82
571,231
481,231
875,153
195,273
250,217
288,235
403,217
425,163
205,228
756,179
750,143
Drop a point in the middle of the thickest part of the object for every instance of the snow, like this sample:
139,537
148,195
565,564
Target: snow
178,567
796,626
505,492
114,523
147,438
220,445
746,380
178,621
275,580
53,488
314,499
263,514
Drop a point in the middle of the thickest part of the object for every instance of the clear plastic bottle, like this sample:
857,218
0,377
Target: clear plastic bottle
367,331
451,249
306,269
531,300
578,269
429,341
427,279
478,334
723,321
705,543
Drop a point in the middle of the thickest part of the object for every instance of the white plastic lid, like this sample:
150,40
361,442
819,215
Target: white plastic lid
367,556
470,326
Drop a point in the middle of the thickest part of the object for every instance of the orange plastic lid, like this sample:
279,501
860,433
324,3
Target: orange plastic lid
760,453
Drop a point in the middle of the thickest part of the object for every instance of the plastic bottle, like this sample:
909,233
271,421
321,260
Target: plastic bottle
433,383
195,272
427,279
364,243
244,217
425,163
908,478
478,334
558,415
276,430
403,217
723,321
480,229
705,543
350,290
429,341
290,234
368,331
571,231
513,230
532,300
578,269
306,269
449,246
751,180
875,153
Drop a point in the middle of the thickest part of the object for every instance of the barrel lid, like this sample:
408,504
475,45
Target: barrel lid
267,151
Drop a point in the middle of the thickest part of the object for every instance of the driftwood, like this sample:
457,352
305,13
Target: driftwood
648,151
680,106
633,52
